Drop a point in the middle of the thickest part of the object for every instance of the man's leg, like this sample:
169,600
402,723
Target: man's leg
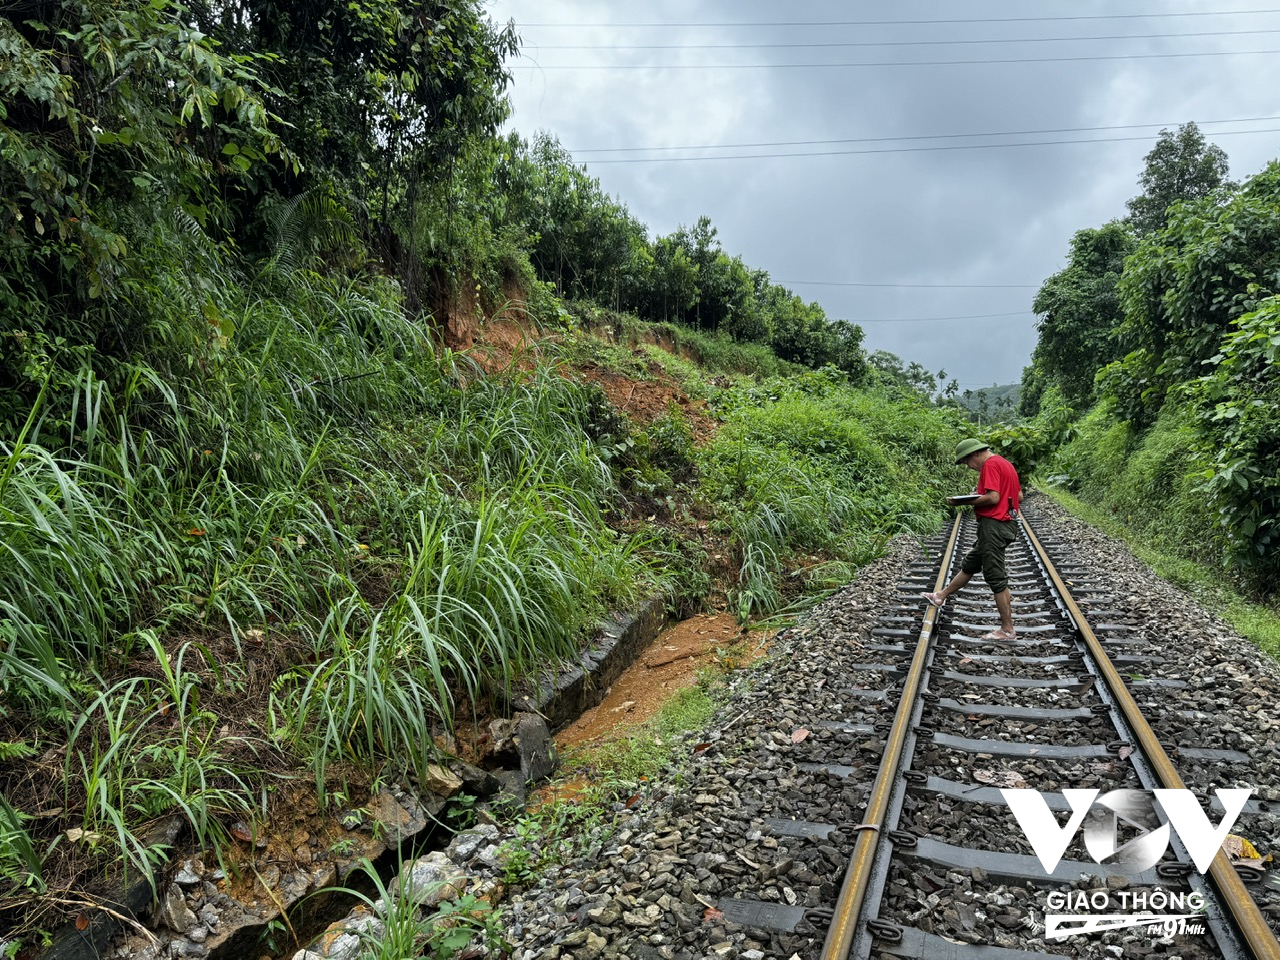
996,573
1004,603
958,581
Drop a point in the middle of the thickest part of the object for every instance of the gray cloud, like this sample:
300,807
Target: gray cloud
990,216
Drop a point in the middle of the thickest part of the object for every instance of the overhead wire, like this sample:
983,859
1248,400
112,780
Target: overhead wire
913,63
891,43
889,63
919,149
934,136
976,316
913,286
871,23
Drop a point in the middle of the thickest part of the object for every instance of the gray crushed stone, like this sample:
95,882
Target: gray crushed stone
647,880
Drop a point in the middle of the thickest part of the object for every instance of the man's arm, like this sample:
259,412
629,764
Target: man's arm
988,499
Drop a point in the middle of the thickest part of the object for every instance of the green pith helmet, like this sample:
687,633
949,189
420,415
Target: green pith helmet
966,447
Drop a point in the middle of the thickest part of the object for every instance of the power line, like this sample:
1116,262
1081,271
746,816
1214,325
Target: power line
884,63
929,149
914,286
874,23
936,136
888,43
977,316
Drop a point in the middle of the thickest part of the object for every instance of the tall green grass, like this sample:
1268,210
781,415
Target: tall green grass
1258,622
146,746
286,475
1148,481
21,863
808,470
294,461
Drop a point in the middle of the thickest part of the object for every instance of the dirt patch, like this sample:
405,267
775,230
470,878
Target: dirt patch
498,341
501,340
669,664
646,400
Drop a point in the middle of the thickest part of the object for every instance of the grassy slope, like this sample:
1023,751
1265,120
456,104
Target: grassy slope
363,540
1257,622
1145,488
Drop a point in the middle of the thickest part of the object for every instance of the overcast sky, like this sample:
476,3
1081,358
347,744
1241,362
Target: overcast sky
880,218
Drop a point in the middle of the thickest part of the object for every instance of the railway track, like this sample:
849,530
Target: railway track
941,865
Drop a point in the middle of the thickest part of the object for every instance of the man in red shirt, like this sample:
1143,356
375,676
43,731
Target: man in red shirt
1000,492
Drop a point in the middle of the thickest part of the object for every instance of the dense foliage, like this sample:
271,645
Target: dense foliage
257,516
590,247
1078,307
1181,166
806,465
1172,332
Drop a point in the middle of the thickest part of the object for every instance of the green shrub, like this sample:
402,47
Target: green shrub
1237,424
808,465
1096,453
671,444
1148,480
684,557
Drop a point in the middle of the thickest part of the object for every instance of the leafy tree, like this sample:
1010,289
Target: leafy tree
1214,261
888,369
1180,167
799,330
1034,383
591,247
376,93
1238,410
1078,309
579,238
114,115
674,288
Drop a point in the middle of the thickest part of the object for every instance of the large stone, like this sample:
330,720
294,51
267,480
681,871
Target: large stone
342,946
126,894
467,844
345,939
399,813
441,780
434,878
174,912
479,782
514,791
526,738
189,874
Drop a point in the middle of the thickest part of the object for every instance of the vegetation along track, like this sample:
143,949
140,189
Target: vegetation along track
1083,700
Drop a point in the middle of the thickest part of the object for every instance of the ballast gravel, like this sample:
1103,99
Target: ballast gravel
646,881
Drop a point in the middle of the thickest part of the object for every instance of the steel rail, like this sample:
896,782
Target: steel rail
1244,911
852,892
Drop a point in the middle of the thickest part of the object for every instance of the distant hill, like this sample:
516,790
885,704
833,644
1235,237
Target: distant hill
996,402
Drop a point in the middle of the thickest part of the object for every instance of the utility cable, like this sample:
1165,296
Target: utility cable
914,286
929,149
889,43
976,316
935,136
874,23
886,63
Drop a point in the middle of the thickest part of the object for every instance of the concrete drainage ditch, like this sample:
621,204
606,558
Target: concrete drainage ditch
292,893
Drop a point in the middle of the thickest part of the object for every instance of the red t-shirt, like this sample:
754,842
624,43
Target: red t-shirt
998,474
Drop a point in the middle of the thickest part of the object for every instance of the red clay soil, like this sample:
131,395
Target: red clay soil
646,400
498,343
669,664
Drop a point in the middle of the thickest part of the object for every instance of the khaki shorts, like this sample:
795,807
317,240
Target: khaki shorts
987,555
